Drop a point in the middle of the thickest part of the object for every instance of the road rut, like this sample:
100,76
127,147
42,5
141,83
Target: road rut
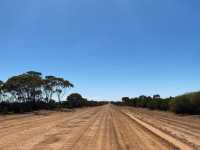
99,128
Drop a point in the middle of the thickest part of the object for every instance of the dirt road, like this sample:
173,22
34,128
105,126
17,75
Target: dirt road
100,128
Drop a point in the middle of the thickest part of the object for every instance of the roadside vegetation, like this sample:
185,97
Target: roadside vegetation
184,104
31,91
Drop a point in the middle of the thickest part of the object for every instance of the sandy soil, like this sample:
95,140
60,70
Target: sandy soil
100,128
183,128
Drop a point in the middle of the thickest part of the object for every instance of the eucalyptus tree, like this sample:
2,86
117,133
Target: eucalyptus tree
1,90
47,88
25,87
12,86
55,85
61,85
34,85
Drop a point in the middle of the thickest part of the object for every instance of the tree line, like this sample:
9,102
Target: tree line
188,103
31,91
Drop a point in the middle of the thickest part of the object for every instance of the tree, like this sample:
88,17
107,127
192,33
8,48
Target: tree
1,90
25,87
75,99
61,85
27,92
125,99
56,85
156,96
48,85
34,85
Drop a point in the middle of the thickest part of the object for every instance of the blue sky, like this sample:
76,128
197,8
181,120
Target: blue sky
107,48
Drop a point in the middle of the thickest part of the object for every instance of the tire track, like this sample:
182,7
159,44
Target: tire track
77,135
28,137
100,128
181,128
136,136
170,139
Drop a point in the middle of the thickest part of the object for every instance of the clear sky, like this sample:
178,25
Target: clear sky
107,48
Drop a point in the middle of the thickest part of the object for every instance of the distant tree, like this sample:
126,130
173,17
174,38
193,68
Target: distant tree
1,90
156,96
25,87
142,97
75,99
52,84
35,84
48,87
27,92
125,99
61,85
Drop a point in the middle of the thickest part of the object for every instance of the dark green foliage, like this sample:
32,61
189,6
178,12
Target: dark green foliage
68,104
30,92
184,104
125,99
17,107
52,84
76,100
195,100
154,103
1,90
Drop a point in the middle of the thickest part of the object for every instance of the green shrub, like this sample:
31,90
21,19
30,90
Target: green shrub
195,100
182,105
164,104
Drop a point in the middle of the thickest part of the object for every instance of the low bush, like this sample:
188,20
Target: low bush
153,103
185,104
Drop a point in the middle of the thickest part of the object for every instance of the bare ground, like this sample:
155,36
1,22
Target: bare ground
100,128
